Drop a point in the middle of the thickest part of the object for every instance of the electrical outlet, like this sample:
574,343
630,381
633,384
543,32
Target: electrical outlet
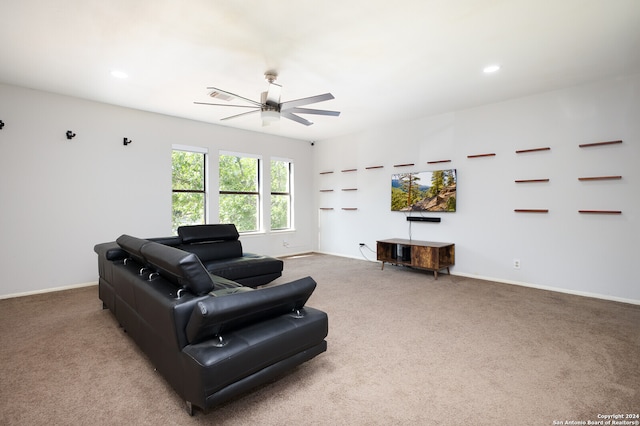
285,243
516,263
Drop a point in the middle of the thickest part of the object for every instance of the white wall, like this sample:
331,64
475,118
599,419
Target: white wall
584,254
60,197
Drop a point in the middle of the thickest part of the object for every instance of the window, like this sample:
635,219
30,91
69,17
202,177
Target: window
240,191
281,194
189,196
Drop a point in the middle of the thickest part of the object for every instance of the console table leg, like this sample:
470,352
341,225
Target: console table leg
382,266
435,273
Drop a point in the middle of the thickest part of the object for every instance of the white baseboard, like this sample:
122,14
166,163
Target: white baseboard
48,290
522,284
461,274
556,289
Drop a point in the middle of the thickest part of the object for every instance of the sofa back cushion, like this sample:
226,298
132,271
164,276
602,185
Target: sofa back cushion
215,315
178,266
132,245
214,232
216,250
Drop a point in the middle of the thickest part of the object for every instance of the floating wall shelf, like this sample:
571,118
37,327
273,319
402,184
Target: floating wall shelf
326,173
404,165
349,189
326,190
374,167
531,180
531,210
491,154
587,145
522,151
348,170
326,208
350,208
600,211
600,178
438,161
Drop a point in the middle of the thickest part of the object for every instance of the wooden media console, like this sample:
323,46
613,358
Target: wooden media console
429,255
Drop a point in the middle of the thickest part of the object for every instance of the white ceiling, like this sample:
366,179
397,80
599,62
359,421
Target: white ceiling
384,61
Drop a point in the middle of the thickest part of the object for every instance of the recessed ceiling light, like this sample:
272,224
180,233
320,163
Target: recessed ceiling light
491,68
119,74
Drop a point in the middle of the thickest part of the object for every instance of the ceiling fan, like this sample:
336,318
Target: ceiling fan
270,107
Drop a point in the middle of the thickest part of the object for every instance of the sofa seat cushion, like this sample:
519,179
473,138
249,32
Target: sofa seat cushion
221,283
249,265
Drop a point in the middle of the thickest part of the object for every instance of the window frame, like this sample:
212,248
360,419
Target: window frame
259,193
289,193
205,178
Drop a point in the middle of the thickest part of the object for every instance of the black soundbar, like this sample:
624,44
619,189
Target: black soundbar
422,219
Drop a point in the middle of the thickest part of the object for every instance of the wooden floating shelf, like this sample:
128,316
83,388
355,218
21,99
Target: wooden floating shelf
326,190
531,180
600,178
349,189
326,208
374,167
438,161
531,210
350,208
492,154
404,165
348,170
600,211
326,173
522,151
587,145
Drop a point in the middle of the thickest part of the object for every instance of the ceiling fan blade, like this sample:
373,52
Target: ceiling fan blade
287,114
306,101
226,105
237,96
273,95
313,111
239,115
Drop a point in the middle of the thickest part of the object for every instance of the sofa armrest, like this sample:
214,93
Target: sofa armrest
212,316
110,251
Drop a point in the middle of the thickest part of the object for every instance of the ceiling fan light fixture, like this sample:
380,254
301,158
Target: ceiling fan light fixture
219,95
270,115
270,107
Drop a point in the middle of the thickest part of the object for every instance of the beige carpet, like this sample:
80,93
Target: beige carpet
403,349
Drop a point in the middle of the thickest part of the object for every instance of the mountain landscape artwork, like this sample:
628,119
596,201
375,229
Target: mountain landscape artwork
433,191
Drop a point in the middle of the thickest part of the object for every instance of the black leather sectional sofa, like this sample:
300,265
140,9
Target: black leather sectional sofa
212,338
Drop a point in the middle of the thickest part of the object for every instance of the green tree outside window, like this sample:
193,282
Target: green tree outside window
280,194
188,188
239,192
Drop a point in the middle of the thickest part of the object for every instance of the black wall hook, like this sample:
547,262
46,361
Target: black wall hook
70,134
1,124
126,141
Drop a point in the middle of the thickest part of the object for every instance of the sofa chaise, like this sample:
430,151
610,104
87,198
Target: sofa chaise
219,249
